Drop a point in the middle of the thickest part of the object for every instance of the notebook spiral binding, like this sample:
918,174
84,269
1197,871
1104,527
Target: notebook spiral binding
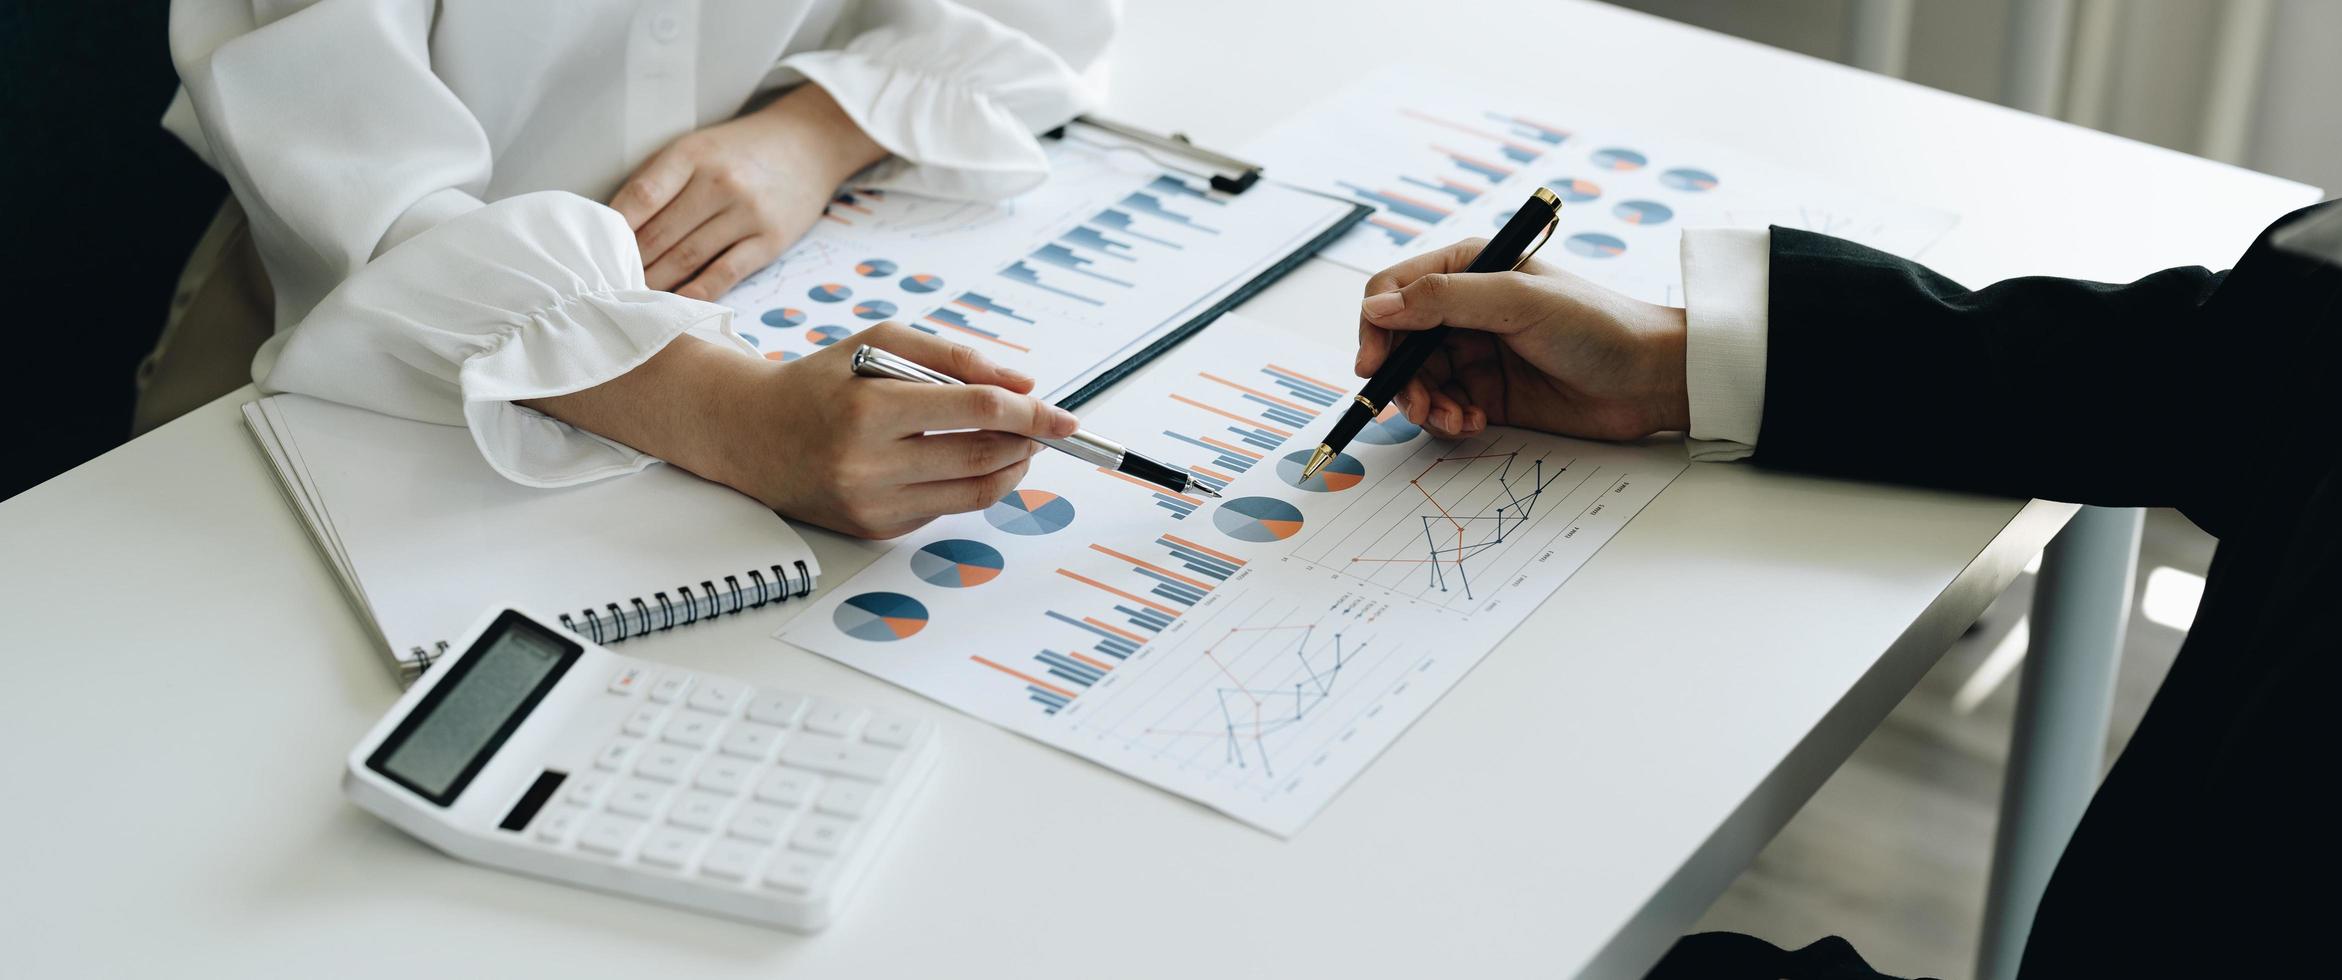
616,621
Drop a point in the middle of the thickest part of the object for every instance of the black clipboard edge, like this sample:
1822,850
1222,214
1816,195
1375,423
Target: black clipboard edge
1236,297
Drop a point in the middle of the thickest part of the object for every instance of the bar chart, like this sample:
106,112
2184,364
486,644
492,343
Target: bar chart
1254,652
1442,160
1112,251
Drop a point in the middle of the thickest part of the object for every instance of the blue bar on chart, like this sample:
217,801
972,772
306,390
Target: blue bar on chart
1225,456
1463,193
1496,173
1141,202
1084,236
1024,273
1551,135
975,316
1180,507
1121,221
1110,641
1065,258
1303,387
1399,204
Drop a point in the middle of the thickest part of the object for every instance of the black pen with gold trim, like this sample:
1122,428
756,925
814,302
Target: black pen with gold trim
1513,244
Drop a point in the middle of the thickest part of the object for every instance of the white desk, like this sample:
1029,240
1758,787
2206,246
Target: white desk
183,677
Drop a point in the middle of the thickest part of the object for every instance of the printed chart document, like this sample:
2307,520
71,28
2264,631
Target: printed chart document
1441,161
1063,282
1254,653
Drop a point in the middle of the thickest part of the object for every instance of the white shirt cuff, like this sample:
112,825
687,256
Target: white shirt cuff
1725,287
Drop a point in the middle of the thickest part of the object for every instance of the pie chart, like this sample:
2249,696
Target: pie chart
783,356
1642,212
1575,190
1594,245
1340,473
922,283
783,316
1391,428
825,336
879,309
1260,519
1619,158
956,563
880,617
1688,179
875,268
829,292
1030,512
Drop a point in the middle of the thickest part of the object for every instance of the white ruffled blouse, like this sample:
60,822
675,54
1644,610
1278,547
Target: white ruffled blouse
424,178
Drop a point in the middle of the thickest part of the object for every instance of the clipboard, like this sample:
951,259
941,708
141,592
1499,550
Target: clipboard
1227,175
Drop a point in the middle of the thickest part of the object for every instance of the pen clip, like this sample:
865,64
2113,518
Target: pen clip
1550,224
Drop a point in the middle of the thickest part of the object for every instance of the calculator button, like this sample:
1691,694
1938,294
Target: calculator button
627,680
726,776
614,755
698,811
787,787
846,798
821,835
762,822
776,708
556,825
749,740
732,860
644,719
892,731
834,718
692,728
609,835
585,789
668,847
796,871
665,763
670,686
844,758
635,798
719,697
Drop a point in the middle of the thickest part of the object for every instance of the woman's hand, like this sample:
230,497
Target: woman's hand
1537,348
876,457
725,201
866,456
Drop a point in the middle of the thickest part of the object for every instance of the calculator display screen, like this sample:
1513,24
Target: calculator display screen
452,733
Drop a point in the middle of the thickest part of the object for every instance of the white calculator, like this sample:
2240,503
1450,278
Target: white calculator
534,751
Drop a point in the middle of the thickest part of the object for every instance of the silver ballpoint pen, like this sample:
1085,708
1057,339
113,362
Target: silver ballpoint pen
1084,445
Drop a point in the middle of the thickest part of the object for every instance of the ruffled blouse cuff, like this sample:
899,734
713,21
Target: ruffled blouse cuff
956,99
528,297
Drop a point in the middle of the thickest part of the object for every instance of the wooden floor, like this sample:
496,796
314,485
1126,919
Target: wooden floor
1894,850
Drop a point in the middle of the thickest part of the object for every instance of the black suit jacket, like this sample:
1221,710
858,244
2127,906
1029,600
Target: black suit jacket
2210,850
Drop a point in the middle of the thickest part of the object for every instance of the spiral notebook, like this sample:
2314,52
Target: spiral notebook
424,535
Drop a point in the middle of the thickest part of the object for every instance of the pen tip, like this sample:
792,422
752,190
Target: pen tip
1317,461
1207,491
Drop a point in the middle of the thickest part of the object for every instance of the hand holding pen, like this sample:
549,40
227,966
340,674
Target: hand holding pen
1082,444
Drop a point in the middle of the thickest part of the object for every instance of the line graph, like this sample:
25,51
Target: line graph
1250,714
1445,557
1452,521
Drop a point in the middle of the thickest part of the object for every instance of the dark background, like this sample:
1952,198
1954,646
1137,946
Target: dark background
102,207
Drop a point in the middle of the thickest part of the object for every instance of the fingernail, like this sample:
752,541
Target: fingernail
1013,374
1062,420
1384,304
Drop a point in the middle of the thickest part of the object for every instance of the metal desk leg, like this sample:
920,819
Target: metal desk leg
2081,606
